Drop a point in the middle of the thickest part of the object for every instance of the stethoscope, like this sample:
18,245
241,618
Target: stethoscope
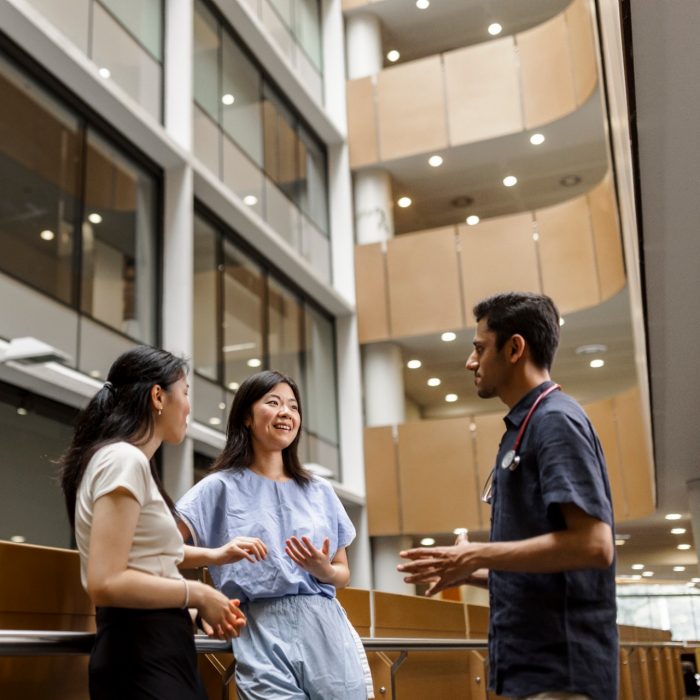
511,459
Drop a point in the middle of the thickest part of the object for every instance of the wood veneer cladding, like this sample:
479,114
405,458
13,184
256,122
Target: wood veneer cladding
423,283
371,293
506,243
567,255
398,615
583,52
487,436
436,468
356,603
382,482
547,79
412,96
362,122
483,92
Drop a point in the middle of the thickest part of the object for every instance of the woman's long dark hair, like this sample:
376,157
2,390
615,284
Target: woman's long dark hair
238,452
120,410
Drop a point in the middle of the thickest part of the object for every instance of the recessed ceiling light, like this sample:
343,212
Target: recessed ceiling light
413,364
233,386
495,29
405,202
473,220
620,543
228,99
647,574
673,516
22,411
460,531
678,531
561,321
678,569
637,567
683,546
434,381
104,72
535,236
427,542
214,421
435,161
635,577
94,218
250,199
597,363
448,336
451,398
570,180
47,235
422,4
94,373
254,362
393,56
591,349
18,538
510,180
222,405
537,139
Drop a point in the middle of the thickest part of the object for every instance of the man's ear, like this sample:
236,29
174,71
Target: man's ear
516,348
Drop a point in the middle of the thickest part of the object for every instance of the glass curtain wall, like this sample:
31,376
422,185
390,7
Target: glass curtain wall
77,225
256,144
124,38
248,318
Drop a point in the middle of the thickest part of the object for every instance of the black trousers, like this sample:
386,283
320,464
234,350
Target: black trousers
144,655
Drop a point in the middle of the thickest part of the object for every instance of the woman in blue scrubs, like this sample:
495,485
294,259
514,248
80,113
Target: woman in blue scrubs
298,642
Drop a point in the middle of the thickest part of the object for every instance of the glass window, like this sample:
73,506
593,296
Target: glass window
206,306
285,330
118,285
40,147
243,295
144,19
241,100
308,29
71,18
312,181
206,72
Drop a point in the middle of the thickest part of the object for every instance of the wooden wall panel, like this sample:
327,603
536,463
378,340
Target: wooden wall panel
507,242
356,603
438,482
547,80
483,92
371,293
583,51
363,141
488,433
637,466
567,255
608,241
412,96
602,416
423,277
381,482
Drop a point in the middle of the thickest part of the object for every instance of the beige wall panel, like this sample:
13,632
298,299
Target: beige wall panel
371,293
608,242
488,433
567,255
507,242
602,415
362,122
411,104
423,276
637,466
547,81
436,469
582,43
381,481
483,91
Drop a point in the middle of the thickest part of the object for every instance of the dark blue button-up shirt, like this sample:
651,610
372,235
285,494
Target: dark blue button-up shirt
551,632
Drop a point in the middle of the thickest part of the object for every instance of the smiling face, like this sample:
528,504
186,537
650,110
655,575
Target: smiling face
274,419
490,365
175,402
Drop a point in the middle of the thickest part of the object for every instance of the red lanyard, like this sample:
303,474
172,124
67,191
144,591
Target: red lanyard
511,459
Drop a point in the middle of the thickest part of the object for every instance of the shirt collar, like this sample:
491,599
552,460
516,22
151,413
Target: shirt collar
517,414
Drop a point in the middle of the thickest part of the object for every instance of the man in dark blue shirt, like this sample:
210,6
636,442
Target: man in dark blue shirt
549,565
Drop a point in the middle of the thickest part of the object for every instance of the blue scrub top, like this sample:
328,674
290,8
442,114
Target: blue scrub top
551,632
236,502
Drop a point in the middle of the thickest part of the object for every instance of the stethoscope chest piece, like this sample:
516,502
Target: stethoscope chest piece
510,460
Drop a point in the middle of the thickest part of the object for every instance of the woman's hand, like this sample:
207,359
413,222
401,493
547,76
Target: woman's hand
315,561
222,617
250,548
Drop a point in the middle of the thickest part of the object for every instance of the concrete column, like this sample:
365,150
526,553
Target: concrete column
374,219
178,71
383,384
694,505
363,39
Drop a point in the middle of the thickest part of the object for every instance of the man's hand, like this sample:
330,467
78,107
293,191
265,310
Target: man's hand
443,567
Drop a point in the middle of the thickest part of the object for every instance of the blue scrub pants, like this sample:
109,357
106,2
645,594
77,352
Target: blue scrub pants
296,648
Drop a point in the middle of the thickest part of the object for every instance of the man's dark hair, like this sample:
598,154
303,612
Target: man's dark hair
533,316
